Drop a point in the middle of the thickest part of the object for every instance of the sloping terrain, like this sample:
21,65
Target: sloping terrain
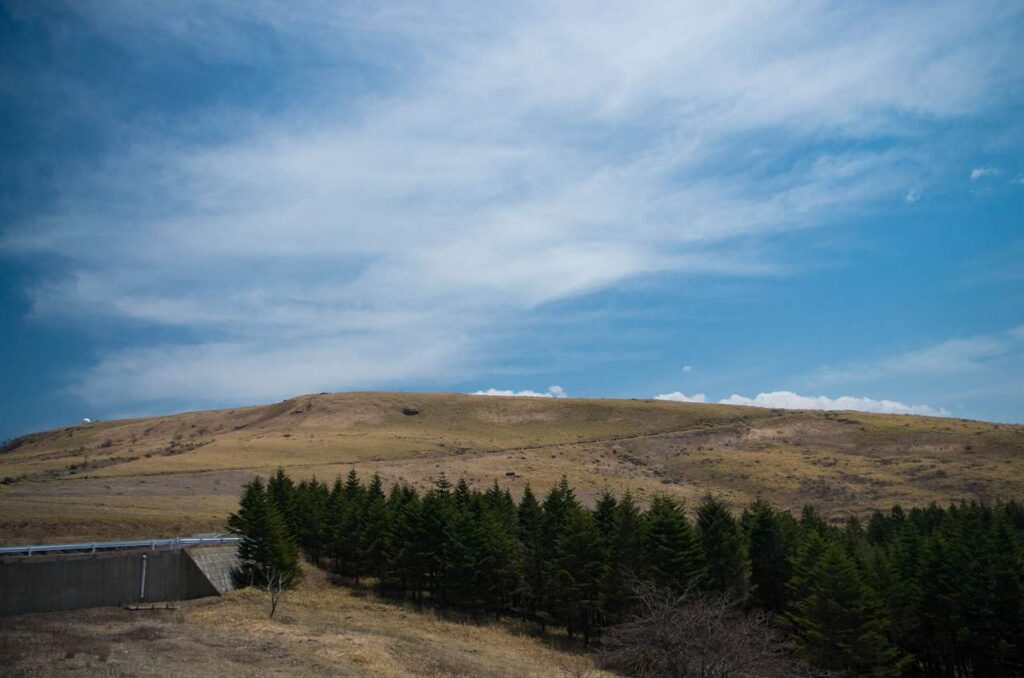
319,630
182,473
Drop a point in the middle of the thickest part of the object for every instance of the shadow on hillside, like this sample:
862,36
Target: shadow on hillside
556,638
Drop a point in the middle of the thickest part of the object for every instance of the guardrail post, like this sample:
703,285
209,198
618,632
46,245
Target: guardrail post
142,583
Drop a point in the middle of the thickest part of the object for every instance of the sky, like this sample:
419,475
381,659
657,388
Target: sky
788,204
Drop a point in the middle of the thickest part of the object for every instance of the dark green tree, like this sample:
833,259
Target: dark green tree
769,555
373,529
576,572
672,554
531,544
726,566
267,556
838,620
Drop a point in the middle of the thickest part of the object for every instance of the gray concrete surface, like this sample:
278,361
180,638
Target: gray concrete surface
48,583
217,564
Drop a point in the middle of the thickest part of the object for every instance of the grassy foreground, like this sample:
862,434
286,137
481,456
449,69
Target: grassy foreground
320,629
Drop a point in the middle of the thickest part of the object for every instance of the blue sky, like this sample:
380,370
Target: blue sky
789,203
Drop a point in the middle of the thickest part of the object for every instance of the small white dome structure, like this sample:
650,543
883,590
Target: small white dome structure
86,420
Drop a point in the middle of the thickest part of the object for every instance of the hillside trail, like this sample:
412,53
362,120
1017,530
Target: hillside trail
466,453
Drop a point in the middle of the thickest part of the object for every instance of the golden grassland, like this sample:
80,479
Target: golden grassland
319,630
182,473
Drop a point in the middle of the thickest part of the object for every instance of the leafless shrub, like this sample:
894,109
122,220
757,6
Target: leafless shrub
276,585
695,635
577,666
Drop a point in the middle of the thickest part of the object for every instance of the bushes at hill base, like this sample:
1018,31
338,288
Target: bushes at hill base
926,592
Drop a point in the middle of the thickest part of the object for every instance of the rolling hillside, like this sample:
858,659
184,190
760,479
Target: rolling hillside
181,473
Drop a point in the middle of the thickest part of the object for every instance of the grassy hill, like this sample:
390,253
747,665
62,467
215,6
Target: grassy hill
181,473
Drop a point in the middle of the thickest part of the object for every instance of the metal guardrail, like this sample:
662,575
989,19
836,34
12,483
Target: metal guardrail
93,547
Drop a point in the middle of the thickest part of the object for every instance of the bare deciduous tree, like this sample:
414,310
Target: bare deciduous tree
695,635
276,584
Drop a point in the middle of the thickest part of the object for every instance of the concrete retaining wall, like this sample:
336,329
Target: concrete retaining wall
66,582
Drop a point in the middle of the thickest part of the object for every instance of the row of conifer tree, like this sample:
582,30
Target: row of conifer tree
924,592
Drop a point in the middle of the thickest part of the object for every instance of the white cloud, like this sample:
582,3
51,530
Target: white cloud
979,172
261,371
962,356
687,368
552,392
913,195
1019,179
793,401
681,397
515,155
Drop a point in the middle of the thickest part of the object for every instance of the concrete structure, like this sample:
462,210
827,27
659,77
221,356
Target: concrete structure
217,564
48,583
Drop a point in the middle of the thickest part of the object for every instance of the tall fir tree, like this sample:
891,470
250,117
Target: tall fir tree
281,490
373,529
531,544
577,571
672,554
838,620
724,550
769,555
266,553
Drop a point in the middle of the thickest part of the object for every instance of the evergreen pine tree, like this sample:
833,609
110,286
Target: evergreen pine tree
282,492
576,572
531,544
309,509
626,558
372,529
267,556
462,554
605,513
436,514
629,537
1008,604
724,552
559,505
672,553
769,556
838,620
803,564
406,561
498,563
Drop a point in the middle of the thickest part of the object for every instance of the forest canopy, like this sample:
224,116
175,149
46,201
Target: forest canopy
921,592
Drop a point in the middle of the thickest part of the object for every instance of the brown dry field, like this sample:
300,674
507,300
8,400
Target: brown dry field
180,474
319,630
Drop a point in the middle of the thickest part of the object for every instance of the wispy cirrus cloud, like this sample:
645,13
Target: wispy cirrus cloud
501,158
960,356
961,374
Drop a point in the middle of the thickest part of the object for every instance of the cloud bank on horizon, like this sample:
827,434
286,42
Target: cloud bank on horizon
400,196
787,400
552,392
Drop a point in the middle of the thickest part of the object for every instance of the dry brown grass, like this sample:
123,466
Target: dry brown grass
319,629
182,473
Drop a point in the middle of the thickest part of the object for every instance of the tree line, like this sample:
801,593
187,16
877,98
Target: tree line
924,592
